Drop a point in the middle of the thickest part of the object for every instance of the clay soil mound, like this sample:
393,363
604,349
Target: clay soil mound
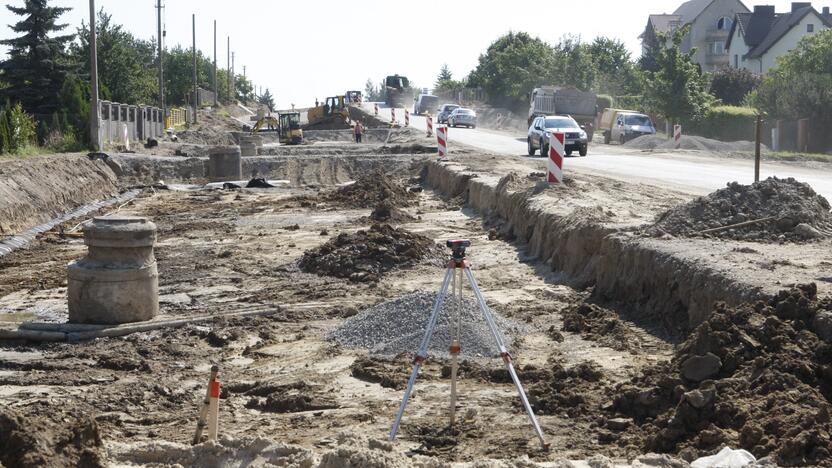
366,255
372,190
790,210
37,441
757,376
385,212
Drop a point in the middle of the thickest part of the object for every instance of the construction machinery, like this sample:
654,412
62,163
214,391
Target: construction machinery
332,108
267,123
290,131
354,98
397,92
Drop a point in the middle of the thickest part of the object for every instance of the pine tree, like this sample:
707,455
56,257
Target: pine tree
37,63
444,75
267,100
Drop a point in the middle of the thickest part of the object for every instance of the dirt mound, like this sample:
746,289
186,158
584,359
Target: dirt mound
366,255
371,190
574,391
600,325
36,442
757,376
385,212
785,208
690,142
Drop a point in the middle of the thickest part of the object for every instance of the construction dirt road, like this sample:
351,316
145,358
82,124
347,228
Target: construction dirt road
640,340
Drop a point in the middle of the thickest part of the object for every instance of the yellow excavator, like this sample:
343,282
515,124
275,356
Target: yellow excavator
332,108
290,131
267,123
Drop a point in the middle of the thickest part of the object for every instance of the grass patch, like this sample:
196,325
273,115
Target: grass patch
793,156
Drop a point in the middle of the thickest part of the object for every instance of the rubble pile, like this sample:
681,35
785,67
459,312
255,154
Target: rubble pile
367,254
757,376
784,209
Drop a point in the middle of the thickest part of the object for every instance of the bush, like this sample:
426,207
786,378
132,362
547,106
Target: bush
604,101
732,85
17,129
725,123
635,103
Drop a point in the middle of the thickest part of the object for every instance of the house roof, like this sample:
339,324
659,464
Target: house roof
691,9
741,21
663,23
761,39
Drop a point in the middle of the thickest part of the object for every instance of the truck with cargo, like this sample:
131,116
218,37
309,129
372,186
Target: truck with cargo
622,125
552,100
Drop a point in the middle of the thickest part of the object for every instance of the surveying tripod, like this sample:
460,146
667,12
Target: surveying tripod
457,267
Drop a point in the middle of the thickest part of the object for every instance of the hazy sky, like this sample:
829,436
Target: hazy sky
317,48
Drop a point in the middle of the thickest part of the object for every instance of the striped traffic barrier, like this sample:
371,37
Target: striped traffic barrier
554,164
677,136
375,109
442,140
213,409
430,125
406,118
393,115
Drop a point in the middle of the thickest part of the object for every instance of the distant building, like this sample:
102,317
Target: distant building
757,39
710,24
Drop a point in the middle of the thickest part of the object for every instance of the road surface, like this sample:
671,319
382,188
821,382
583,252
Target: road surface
680,171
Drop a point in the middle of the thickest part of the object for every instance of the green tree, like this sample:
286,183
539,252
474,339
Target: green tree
5,134
445,75
126,65
75,109
267,100
38,64
373,92
512,66
616,73
677,90
574,64
732,85
245,89
801,84
179,70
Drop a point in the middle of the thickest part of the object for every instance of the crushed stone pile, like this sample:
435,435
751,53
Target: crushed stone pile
689,142
397,326
797,213
757,376
367,254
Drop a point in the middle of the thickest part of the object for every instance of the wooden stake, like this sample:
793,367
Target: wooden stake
203,412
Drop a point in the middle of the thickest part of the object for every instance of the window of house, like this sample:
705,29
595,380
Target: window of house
736,61
718,48
724,23
810,28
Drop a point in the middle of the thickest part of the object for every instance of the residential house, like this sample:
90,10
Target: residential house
710,23
757,39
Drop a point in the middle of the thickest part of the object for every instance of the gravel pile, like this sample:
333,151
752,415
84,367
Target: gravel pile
690,142
794,212
397,326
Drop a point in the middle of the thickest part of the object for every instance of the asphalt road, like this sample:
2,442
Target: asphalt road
688,172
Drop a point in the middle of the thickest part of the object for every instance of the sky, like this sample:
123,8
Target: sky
302,50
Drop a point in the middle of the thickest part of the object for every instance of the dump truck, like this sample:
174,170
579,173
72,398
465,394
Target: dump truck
397,92
622,125
552,100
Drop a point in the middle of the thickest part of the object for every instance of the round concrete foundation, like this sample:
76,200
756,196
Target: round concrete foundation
249,145
224,164
117,282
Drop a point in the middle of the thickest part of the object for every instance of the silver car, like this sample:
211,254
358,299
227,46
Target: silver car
541,129
463,116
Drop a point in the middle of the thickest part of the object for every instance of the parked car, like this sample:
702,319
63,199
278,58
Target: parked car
575,137
424,103
623,125
463,116
445,112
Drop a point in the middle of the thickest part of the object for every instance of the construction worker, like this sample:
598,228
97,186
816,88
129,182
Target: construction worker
358,129
316,102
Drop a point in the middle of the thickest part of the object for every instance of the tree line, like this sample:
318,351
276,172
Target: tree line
47,74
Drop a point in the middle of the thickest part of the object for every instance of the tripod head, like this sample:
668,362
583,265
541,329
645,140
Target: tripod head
458,247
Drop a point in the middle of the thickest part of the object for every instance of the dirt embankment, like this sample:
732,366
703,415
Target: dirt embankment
37,189
756,376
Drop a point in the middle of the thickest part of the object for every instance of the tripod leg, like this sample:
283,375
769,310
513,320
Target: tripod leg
456,287
422,354
486,312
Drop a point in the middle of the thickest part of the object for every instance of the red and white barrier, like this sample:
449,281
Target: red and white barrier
393,114
442,140
430,125
677,136
406,118
375,109
554,164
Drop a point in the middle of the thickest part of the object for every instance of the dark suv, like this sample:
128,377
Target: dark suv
445,112
575,138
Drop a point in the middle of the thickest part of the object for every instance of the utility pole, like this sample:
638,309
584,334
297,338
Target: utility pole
216,90
95,112
757,142
228,66
196,91
233,79
161,59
